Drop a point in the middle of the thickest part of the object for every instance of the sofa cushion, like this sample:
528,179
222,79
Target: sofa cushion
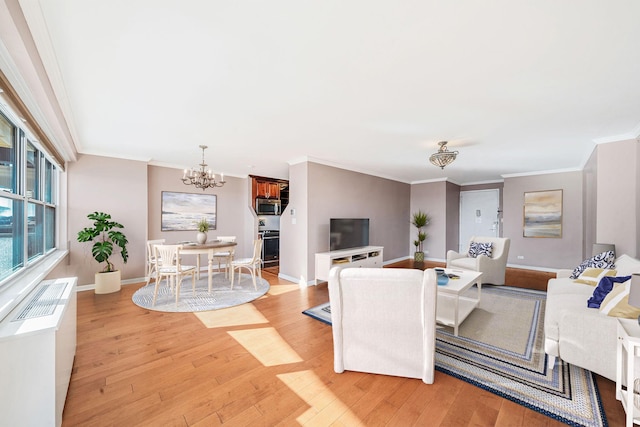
616,303
591,276
464,263
563,295
476,249
568,286
602,260
627,265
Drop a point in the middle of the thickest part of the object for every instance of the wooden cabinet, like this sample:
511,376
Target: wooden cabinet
267,189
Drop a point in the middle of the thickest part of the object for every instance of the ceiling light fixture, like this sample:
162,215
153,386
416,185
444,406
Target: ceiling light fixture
443,157
202,178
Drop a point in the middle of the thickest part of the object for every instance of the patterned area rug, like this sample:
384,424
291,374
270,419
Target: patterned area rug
221,295
500,348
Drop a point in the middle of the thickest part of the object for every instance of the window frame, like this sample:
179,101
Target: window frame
38,193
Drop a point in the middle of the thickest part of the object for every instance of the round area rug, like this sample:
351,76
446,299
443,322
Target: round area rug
221,295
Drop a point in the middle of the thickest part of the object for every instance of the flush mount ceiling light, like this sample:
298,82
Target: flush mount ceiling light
202,178
443,157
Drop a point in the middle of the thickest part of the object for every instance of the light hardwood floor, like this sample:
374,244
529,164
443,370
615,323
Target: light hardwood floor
263,363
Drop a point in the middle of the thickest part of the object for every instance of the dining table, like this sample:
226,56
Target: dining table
209,248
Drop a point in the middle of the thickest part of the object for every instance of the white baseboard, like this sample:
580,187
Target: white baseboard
92,286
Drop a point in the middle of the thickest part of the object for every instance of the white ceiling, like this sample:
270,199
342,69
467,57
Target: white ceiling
372,86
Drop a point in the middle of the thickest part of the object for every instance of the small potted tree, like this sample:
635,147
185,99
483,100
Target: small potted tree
105,235
420,220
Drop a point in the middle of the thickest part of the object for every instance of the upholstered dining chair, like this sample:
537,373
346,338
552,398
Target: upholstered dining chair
253,264
226,256
170,268
152,266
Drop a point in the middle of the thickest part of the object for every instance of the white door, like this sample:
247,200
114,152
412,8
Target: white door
479,215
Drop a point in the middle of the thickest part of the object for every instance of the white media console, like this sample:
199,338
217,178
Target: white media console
367,256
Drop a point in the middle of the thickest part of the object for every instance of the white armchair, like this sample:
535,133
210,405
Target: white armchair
493,268
384,321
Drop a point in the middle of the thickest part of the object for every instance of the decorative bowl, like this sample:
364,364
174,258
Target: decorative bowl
443,279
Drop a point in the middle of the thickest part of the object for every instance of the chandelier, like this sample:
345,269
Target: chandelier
202,178
443,157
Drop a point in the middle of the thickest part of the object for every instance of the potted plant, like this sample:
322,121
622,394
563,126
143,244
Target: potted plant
106,236
420,220
203,227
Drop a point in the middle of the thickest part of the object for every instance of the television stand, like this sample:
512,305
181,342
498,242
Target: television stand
366,256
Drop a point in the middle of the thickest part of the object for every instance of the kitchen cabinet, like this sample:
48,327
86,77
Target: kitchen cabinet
267,189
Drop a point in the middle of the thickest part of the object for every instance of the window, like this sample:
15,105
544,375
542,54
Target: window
7,155
28,198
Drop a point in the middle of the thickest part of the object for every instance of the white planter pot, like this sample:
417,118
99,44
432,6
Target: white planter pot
107,283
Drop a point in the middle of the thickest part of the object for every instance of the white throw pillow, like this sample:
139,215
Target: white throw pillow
627,265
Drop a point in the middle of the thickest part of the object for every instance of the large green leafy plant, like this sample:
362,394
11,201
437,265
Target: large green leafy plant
105,235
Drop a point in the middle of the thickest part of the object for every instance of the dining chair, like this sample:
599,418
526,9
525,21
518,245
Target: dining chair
152,266
253,264
226,256
169,267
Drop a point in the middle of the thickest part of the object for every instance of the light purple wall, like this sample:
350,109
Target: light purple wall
130,191
339,193
564,252
431,198
452,218
96,184
294,259
618,187
235,217
590,203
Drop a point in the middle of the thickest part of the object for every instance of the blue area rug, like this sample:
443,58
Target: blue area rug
221,295
500,348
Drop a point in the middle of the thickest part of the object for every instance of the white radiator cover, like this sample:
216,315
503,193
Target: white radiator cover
36,355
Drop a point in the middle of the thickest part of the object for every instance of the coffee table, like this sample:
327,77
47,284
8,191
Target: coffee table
452,307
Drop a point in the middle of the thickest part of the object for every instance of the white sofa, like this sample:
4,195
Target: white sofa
493,268
384,321
577,334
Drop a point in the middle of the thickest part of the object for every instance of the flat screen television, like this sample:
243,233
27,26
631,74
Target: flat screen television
346,233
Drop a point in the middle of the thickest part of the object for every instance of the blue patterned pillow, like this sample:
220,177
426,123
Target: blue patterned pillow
476,249
602,260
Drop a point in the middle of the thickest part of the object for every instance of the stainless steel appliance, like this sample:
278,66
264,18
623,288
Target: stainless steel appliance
270,247
268,206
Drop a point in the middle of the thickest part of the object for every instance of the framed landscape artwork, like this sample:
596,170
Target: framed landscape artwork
543,213
182,211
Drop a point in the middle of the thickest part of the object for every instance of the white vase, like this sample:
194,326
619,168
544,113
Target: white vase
201,237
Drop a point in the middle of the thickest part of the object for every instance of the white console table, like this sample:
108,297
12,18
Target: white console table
367,256
628,369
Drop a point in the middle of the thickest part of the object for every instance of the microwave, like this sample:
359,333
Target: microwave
268,206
